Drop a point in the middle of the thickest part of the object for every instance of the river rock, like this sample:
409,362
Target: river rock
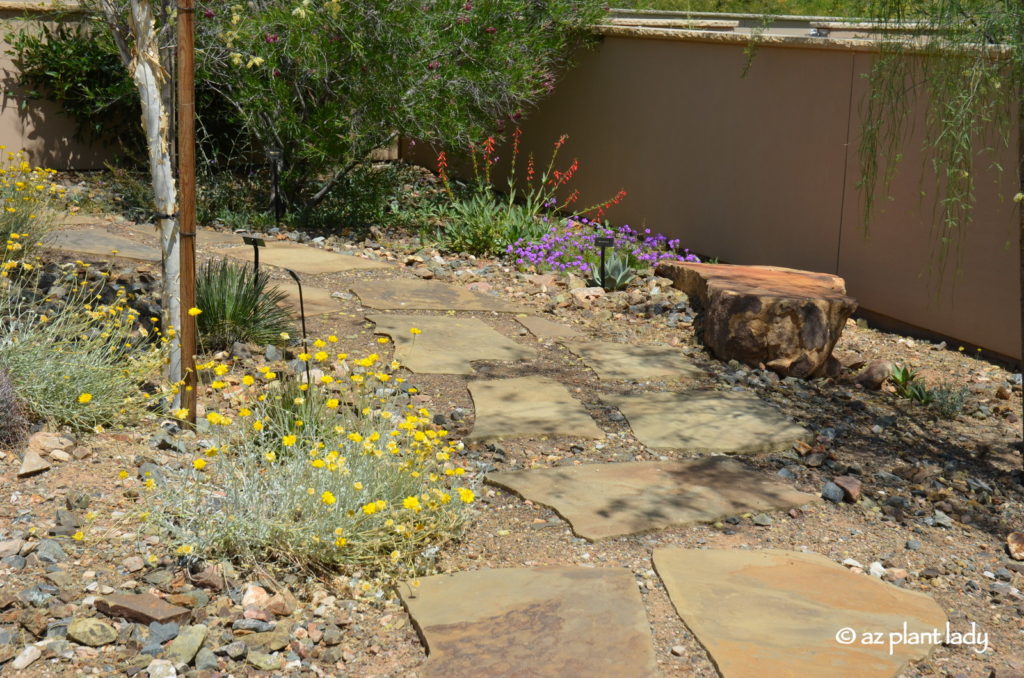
785,319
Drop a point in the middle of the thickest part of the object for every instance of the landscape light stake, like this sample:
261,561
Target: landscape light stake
603,243
256,243
187,203
302,316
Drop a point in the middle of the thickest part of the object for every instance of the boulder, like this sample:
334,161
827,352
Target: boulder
782,318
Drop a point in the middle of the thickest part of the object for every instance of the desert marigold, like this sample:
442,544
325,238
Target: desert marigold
194,311
328,498
85,398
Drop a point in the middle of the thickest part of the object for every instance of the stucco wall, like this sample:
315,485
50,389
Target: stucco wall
763,169
38,127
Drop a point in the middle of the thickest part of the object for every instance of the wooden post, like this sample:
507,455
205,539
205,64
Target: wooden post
187,200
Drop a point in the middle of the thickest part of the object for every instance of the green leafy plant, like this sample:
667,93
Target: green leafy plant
238,304
619,271
902,377
473,225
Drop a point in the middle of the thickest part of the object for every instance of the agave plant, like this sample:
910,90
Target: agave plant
238,304
619,271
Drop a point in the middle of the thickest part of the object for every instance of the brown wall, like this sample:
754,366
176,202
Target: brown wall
763,169
38,127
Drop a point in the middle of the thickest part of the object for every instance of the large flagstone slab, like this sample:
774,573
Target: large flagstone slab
528,407
532,623
446,345
708,422
612,500
98,242
304,259
406,294
317,300
776,614
615,361
205,237
546,329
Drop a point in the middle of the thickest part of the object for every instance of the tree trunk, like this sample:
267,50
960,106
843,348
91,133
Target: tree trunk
154,85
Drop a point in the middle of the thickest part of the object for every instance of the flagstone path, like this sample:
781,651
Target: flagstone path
612,500
780,613
99,242
765,612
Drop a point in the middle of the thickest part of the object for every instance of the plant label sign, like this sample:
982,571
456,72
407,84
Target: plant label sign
604,242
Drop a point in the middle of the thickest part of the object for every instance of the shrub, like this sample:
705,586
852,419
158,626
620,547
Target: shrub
27,196
335,475
570,246
948,400
238,304
13,424
75,364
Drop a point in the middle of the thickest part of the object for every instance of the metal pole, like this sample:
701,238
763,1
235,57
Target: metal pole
187,200
302,316
604,279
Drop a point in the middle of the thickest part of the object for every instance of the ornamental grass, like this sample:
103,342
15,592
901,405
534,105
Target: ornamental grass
339,474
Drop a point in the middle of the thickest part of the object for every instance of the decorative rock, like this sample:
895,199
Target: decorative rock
876,569
133,564
184,648
851,488
50,551
913,545
731,600
786,319
26,657
942,520
92,632
11,547
762,520
283,604
255,596
161,668
206,660
1015,545
257,625
833,493
140,607
31,464
265,662
874,375
161,633
552,621
235,650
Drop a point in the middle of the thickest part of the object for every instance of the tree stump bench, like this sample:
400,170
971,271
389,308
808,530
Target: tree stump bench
785,319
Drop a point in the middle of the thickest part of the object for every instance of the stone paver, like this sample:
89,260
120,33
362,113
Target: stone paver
707,421
526,407
777,614
532,623
546,329
610,500
140,607
614,361
402,294
99,242
316,299
304,259
447,345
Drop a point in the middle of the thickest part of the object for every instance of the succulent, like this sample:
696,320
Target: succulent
619,271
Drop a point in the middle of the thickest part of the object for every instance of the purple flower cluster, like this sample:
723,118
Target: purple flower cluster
569,246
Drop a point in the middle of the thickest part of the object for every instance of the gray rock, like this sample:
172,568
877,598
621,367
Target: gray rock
913,545
37,596
14,562
256,625
332,635
161,668
833,493
762,520
206,660
28,655
265,662
49,551
8,635
273,354
786,473
1004,574
236,650
161,633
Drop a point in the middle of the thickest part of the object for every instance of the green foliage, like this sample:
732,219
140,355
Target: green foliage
473,225
902,377
328,82
619,269
238,305
77,65
362,198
